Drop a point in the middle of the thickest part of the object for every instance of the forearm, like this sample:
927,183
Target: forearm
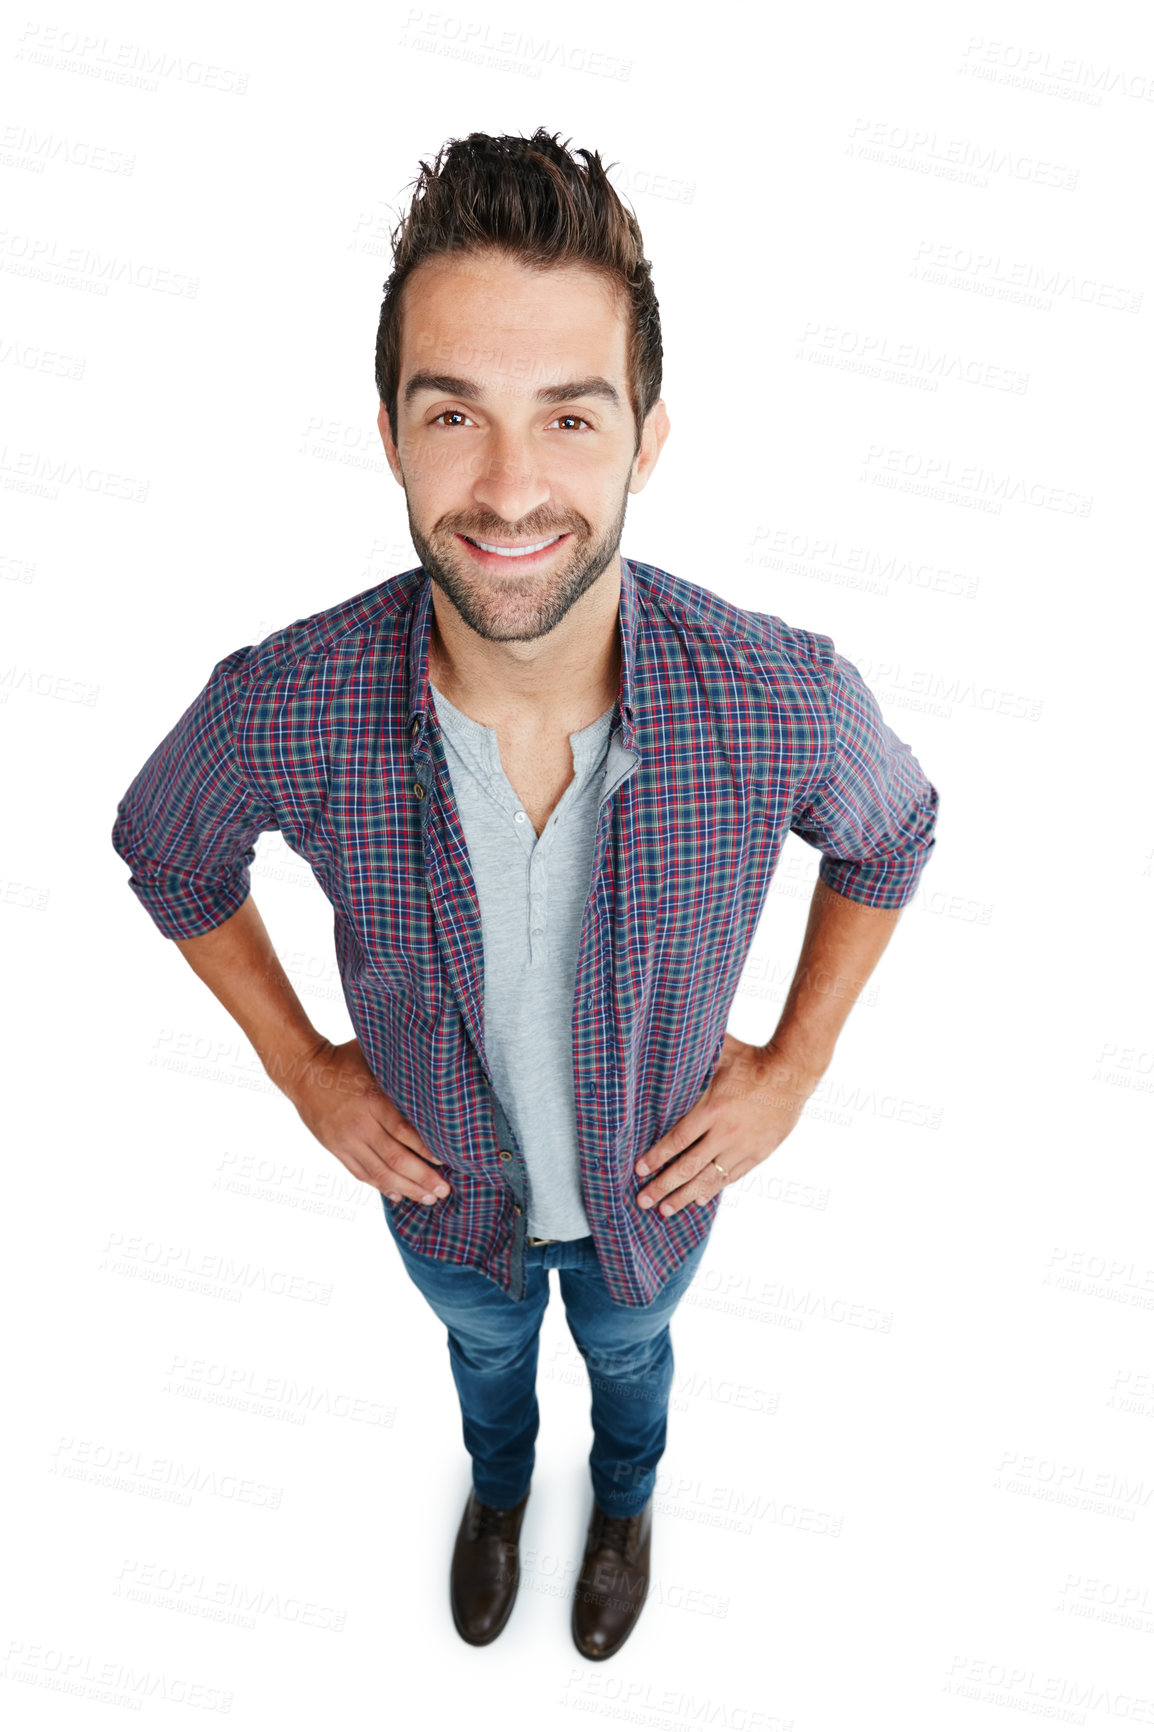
237,962
843,941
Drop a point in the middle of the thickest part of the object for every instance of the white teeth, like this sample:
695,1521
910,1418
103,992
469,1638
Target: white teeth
515,552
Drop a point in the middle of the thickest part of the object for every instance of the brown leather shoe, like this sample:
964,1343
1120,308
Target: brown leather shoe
486,1570
614,1581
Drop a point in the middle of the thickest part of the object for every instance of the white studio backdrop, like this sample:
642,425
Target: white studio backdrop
903,259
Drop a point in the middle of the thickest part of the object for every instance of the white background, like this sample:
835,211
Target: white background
909,1481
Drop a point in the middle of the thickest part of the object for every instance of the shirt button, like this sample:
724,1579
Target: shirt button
518,817
505,1154
418,790
516,1208
416,728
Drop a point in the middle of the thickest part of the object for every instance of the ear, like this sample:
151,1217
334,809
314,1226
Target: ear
654,433
391,455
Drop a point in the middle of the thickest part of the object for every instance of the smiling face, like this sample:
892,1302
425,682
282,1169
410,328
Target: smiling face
514,428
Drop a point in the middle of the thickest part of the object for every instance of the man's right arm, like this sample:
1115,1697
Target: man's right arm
187,827
237,962
332,1087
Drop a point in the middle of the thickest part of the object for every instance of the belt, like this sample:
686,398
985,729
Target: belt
534,1241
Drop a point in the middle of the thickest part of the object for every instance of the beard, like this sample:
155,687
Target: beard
512,610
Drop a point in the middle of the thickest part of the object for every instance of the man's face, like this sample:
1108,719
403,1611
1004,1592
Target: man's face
514,428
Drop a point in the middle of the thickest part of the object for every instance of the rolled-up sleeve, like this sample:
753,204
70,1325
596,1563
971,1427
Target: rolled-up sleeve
873,811
188,821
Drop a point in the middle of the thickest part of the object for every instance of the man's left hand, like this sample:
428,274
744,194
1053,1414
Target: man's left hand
755,1097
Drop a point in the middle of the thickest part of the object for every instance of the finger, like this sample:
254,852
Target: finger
380,1180
676,1140
679,1173
356,1167
399,1170
710,1182
384,1135
399,1127
705,1185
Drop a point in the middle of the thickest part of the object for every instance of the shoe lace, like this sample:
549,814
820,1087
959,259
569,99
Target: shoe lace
615,1532
491,1521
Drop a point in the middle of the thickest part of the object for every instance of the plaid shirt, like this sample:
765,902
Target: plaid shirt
730,730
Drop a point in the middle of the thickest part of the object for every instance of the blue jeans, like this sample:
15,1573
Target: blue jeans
492,1344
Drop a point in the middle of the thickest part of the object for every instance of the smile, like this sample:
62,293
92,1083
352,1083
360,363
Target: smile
513,552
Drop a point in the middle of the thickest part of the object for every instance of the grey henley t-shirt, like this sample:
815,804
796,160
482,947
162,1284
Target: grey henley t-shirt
532,891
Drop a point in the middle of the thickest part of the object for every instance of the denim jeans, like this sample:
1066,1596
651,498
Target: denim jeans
492,1343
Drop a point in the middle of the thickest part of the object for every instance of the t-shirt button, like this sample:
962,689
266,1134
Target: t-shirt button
519,817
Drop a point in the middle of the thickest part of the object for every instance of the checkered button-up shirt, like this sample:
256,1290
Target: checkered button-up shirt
731,729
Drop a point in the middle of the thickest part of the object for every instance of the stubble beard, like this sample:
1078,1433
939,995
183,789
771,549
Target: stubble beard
512,610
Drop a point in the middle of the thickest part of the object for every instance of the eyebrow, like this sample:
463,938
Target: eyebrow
451,386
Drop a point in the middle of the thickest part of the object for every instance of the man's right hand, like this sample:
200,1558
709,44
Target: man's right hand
345,1108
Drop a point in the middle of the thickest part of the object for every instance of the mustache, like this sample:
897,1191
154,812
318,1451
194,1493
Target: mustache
491,530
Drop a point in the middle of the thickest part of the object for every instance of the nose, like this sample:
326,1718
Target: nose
507,481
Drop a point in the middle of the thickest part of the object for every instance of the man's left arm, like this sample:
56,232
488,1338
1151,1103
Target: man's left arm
873,815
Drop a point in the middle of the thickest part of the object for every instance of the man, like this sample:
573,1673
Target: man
545,789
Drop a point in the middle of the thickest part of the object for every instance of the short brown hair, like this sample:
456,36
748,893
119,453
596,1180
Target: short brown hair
531,199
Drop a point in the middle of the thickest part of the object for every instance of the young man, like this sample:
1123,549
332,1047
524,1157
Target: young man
545,789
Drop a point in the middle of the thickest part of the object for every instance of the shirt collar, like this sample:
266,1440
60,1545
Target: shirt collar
420,625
